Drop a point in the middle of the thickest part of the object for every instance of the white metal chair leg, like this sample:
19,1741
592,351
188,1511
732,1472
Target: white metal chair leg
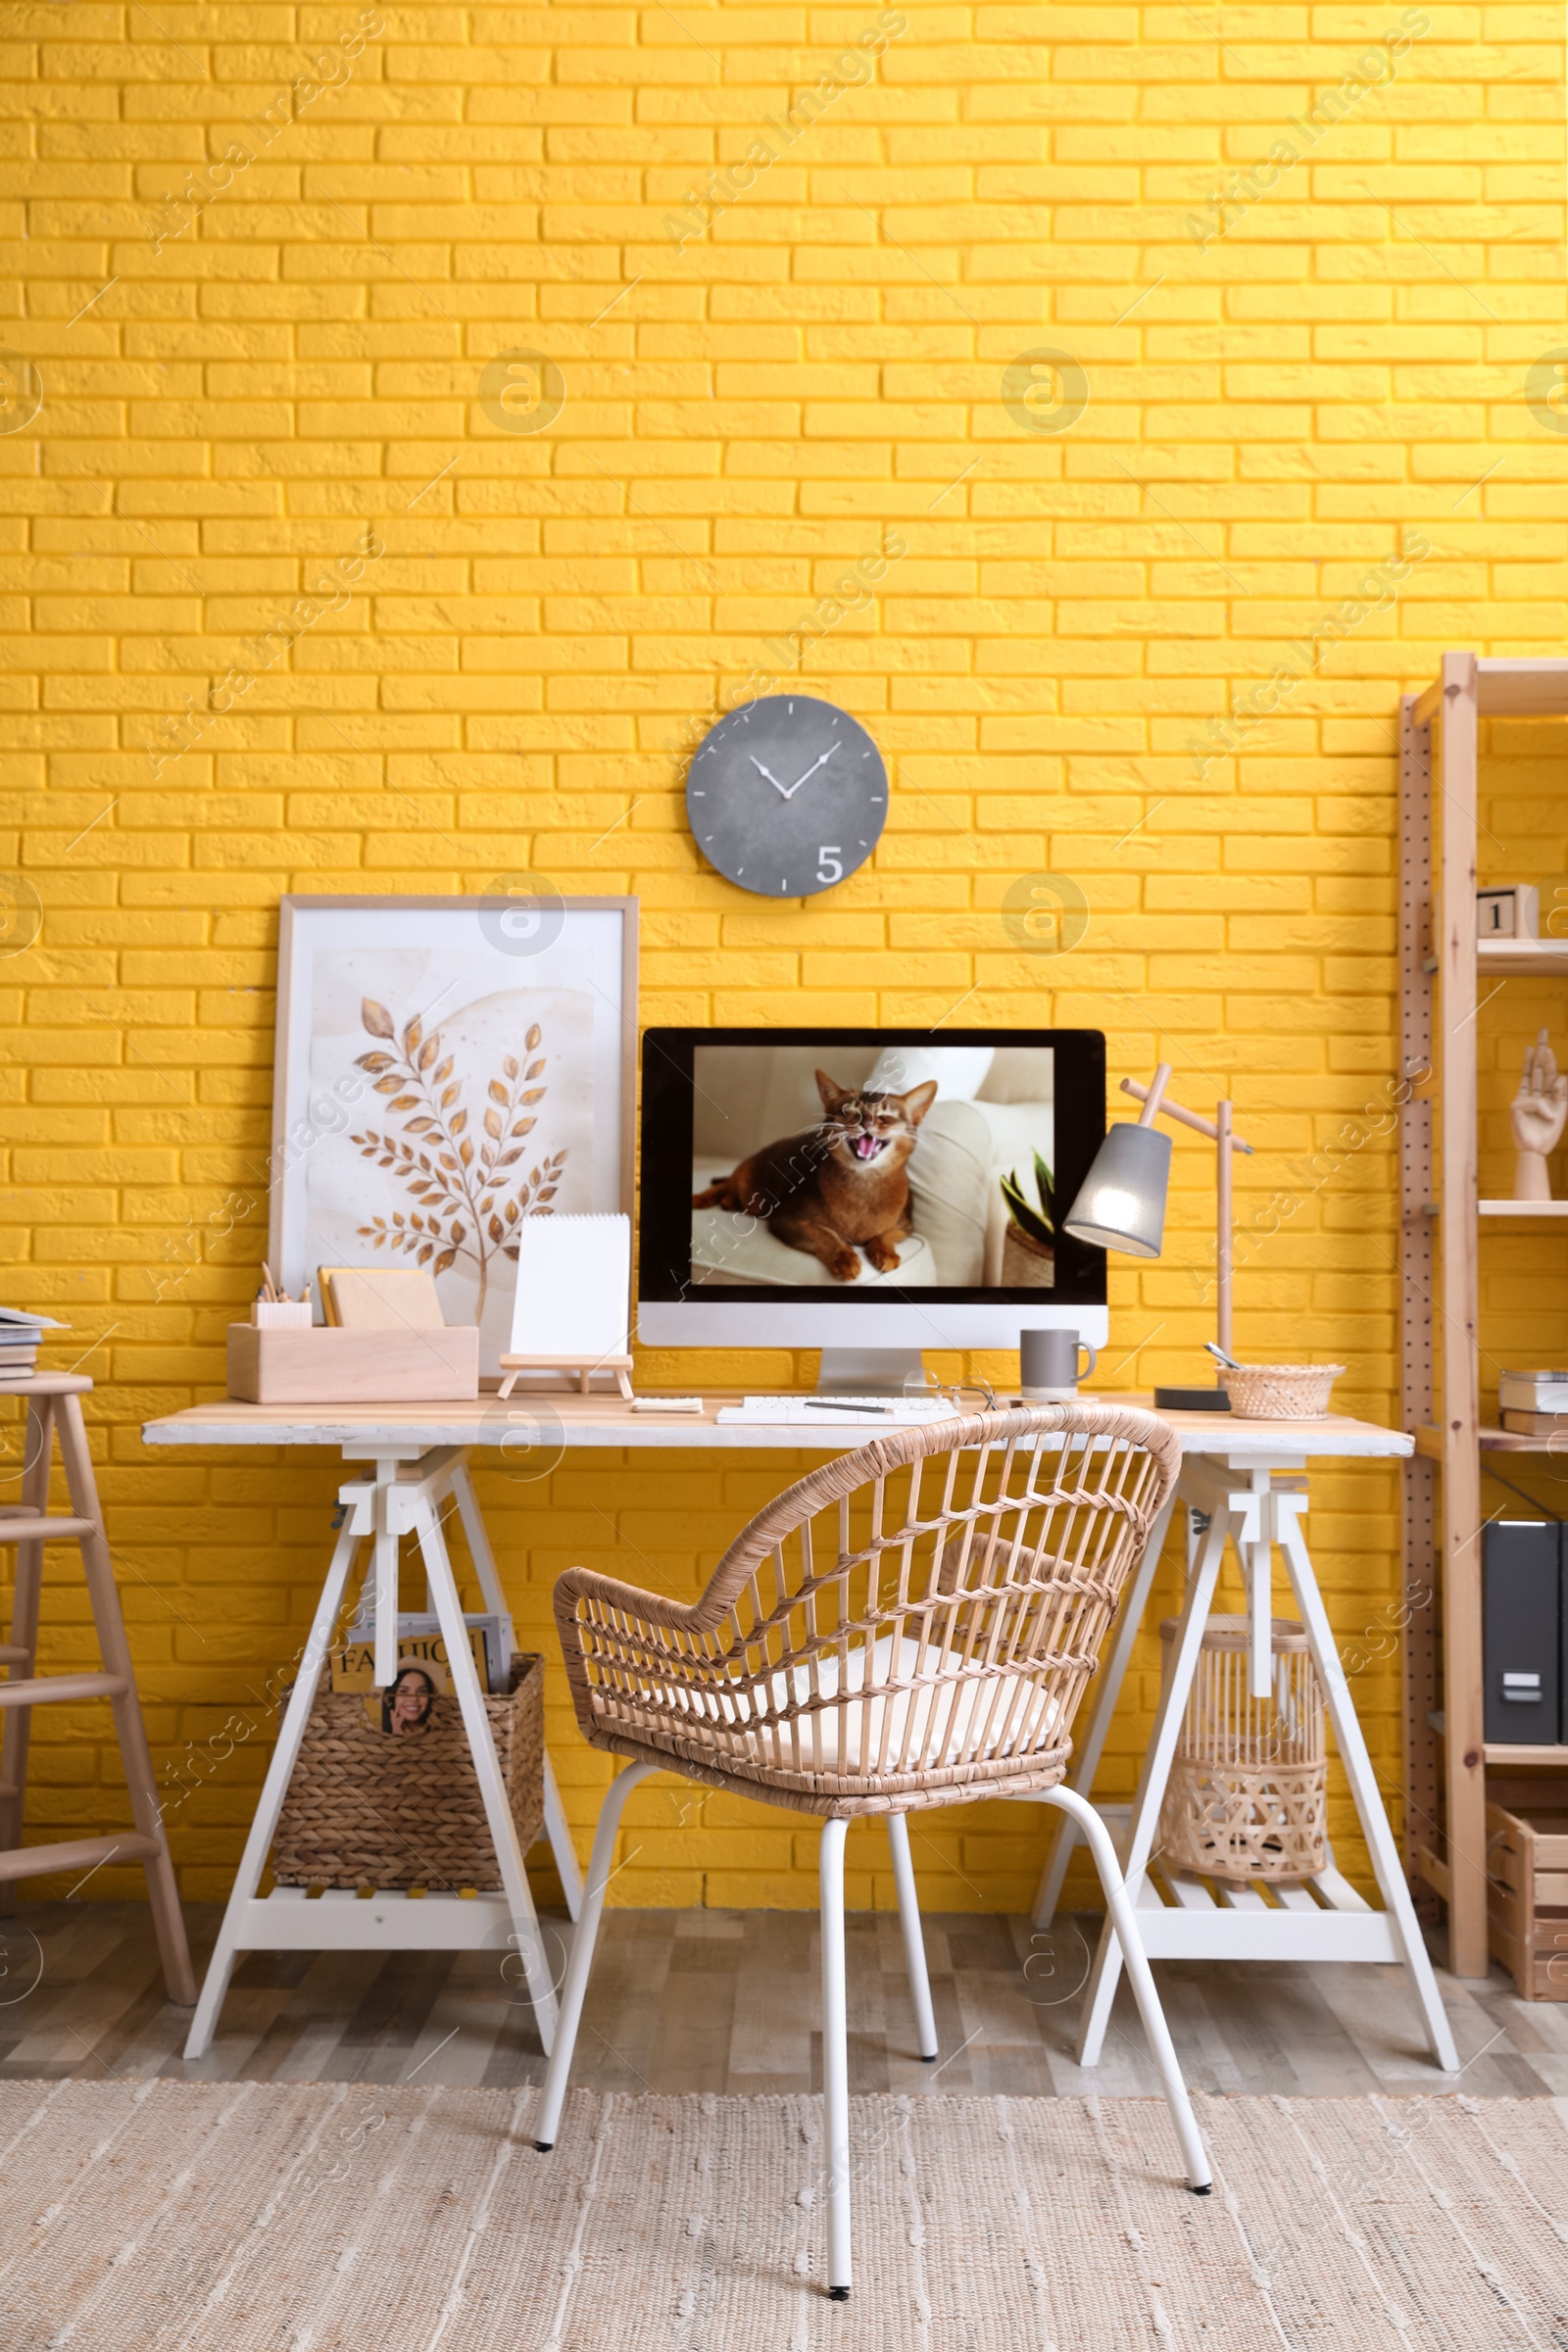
1144,1828
925,2021
1103,1691
1124,1920
835,2059
569,2015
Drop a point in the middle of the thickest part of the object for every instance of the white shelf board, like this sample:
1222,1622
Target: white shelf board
1523,956
1523,1208
288,1921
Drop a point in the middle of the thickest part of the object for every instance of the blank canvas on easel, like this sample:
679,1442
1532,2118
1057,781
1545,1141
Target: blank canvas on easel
573,1295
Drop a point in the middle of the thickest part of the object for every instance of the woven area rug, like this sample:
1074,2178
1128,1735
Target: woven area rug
172,2217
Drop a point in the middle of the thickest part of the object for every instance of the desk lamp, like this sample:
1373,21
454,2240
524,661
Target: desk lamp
1121,1206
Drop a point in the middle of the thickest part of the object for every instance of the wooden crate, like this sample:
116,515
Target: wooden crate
1527,1899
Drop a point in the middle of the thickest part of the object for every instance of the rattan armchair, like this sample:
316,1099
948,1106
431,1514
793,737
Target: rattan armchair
912,1624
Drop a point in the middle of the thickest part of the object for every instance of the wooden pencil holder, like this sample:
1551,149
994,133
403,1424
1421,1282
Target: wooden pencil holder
333,1366
1247,1793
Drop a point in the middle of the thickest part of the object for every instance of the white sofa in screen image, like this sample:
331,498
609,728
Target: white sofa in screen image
995,1108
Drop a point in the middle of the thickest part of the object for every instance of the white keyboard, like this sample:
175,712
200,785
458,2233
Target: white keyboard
863,1412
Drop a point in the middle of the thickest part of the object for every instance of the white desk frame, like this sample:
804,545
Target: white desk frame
403,1496
1258,1502
1241,1477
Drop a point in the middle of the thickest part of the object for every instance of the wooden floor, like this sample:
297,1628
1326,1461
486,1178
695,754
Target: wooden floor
727,2001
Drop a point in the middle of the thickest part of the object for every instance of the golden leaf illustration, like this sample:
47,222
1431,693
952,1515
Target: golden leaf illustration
463,1209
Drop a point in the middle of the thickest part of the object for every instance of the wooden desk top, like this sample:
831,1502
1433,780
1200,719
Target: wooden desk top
551,1418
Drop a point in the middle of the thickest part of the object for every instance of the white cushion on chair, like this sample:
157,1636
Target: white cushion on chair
938,1717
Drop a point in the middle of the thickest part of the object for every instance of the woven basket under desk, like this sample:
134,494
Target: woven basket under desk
1247,1793
365,1810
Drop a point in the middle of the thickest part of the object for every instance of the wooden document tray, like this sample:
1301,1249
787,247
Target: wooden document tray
327,1366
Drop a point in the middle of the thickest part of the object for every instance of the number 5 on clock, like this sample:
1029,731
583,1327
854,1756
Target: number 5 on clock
832,857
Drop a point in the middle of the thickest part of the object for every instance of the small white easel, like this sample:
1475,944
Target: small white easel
403,1496
584,1366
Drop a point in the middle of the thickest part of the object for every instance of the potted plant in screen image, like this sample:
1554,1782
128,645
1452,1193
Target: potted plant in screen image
1029,1244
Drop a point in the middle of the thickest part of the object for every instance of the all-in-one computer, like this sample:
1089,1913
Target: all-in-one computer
869,1192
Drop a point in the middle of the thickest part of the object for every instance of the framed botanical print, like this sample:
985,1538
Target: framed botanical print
445,1068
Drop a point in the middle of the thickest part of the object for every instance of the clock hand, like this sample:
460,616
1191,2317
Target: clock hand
811,771
768,773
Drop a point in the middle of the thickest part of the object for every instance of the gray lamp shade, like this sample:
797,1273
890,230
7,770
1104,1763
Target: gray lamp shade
1121,1202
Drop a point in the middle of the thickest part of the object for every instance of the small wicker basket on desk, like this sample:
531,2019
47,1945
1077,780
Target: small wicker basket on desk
365,1810
1247,1793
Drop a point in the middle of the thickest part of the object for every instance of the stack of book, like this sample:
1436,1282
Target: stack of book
1533,1404
19,1333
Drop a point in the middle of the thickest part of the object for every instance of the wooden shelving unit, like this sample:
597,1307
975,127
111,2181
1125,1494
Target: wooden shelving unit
1447,1755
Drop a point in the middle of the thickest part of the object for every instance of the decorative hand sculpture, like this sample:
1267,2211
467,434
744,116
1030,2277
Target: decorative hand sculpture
1539,1109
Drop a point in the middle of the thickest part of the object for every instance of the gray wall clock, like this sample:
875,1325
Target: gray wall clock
787,796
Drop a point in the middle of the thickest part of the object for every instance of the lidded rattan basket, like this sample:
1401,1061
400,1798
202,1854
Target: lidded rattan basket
1247,1794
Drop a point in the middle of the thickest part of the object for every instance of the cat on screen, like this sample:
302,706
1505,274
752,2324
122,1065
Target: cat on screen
840,1187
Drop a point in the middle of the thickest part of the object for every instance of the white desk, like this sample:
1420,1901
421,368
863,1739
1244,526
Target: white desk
1240,1477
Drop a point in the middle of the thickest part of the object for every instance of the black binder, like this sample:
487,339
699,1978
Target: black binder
1521,1631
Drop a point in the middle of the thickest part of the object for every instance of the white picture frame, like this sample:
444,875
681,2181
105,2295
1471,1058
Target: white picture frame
502,985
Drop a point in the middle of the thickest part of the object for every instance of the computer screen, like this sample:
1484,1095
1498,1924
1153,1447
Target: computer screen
871,1186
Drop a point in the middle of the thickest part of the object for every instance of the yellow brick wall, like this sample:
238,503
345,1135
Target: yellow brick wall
252,300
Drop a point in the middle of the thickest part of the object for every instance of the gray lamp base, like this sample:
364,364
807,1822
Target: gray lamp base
1192,1401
